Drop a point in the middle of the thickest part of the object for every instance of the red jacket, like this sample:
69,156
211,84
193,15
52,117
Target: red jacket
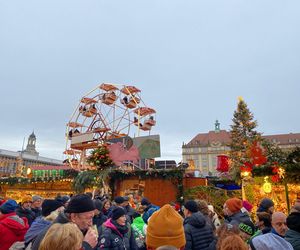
12,229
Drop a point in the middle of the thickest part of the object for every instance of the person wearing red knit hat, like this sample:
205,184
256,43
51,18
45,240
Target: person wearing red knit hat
233,213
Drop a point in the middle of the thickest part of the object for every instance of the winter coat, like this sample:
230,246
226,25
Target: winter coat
61,218
139,230
293,237
12,229
35,229
237,218
37,212
26,213
198,233
114,237
270,241
99,219
129,212
149,211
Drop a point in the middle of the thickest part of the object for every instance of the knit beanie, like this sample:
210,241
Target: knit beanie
247,205
145,202
50,205
247,227
36,197
119,200
265,204
192,206
117,213
80,203
234,204
165,227
293,221
8,207
63,199
26,198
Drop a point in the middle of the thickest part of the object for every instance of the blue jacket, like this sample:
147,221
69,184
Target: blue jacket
37,226
149,211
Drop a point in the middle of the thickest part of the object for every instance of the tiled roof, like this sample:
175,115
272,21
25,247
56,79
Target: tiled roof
284,138
206,138
224,138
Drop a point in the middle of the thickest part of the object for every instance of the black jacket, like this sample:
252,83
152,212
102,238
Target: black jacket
113,238
37,212
99,219
21,212
61,218
237,218
198,233
129,213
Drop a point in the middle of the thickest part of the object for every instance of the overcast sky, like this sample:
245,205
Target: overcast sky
191,59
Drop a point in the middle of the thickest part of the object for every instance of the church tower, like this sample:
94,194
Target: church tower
30,148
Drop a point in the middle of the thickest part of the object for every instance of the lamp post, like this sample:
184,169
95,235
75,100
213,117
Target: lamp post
281,173
245,175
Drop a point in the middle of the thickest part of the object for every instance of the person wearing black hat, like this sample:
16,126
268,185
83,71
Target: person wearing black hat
148,208
198,233
129,210
117,202
266,205
99,217
52,207
116,234
65,199
80,211
293,234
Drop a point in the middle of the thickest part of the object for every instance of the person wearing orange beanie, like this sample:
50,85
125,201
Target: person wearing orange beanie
165,227
233,213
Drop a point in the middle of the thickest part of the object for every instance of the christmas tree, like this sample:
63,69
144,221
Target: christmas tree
244,141
100,159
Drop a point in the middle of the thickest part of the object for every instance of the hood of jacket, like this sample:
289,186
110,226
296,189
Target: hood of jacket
238,217
110,225
139,223
196,220
16,224
36,227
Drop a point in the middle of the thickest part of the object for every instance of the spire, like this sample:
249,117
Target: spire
217,126
30,148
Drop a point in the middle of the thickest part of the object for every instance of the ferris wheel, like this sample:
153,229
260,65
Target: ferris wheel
104,114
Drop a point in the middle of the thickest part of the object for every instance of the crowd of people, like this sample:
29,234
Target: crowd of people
83,222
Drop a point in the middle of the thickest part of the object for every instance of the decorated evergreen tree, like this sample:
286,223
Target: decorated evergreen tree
100,159
244,138
100,162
